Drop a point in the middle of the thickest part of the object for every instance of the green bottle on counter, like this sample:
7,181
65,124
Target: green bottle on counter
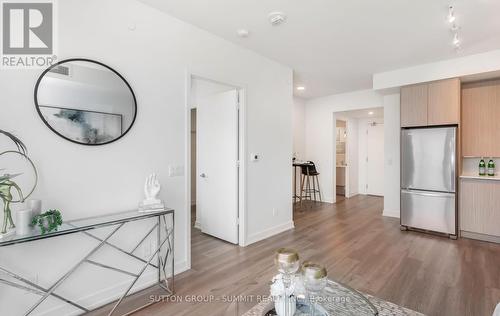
491,168
482,167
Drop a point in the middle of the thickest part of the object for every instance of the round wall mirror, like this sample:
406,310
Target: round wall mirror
85,101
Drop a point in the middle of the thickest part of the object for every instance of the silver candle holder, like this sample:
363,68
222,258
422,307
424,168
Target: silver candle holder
287,262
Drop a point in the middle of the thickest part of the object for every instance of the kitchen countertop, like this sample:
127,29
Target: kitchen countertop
478,177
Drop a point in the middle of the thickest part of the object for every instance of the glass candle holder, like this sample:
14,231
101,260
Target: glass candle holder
315,279
35,206
287,262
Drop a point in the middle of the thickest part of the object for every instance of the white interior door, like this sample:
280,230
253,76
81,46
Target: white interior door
375,160
216,164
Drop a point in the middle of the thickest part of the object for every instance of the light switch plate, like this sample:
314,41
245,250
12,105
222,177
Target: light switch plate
175,171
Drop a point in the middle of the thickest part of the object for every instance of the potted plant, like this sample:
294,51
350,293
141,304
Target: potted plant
48,221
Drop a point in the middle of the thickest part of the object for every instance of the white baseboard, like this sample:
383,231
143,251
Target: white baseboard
269,233
329,199
112,293
391,213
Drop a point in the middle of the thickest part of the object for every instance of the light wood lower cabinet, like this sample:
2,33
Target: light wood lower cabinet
480,208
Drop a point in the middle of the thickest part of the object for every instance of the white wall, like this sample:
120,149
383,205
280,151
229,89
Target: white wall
320,126
320,131
450,68
299,127
392,133
83,180
299,134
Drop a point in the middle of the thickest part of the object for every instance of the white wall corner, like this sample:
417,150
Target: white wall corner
269,233
329,199
391,213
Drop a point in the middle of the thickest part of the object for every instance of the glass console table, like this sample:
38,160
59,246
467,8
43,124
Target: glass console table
160,259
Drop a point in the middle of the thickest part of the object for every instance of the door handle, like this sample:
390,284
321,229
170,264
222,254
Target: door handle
203,175
432,194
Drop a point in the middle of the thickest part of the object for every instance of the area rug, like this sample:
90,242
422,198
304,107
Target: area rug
384,308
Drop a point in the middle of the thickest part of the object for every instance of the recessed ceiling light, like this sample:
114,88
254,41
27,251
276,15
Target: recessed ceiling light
243,33
277,18
301,88
370,113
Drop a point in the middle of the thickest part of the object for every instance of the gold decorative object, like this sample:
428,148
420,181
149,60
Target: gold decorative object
287,261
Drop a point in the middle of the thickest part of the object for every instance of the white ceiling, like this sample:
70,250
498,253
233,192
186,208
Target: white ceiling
336,45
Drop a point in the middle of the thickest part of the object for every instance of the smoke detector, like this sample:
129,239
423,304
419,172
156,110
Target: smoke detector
277,18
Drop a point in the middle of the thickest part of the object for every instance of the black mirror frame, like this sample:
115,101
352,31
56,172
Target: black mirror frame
91,61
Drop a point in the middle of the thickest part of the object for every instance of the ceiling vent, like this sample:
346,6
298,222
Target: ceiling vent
61,70
277,18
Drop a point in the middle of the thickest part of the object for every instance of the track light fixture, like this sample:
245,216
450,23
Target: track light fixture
451,15
454,27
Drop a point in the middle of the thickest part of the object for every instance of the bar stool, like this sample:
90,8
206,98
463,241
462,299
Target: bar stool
308,171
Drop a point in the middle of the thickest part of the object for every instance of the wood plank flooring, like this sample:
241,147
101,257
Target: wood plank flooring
430,274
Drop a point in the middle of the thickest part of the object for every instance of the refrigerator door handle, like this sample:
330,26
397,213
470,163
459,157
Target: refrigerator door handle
427,193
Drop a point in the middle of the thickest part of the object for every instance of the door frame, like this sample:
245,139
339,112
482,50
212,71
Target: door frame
373,124
242,154
346,155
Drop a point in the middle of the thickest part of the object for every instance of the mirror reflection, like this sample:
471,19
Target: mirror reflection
85,102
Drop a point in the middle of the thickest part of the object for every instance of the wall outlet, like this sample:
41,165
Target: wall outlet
275,212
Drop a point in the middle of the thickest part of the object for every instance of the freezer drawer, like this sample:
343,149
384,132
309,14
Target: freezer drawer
429,210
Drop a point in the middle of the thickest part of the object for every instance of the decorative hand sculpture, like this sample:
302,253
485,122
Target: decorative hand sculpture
151,189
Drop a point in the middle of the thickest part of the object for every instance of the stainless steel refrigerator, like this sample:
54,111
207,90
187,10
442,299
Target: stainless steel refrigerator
428,179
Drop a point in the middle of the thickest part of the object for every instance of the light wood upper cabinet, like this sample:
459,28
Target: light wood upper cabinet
481,119
414,105
444,102
435,103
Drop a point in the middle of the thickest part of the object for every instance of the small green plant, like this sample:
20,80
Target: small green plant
48,221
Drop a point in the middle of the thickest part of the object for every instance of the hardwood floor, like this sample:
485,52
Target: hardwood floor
340,198
430,274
